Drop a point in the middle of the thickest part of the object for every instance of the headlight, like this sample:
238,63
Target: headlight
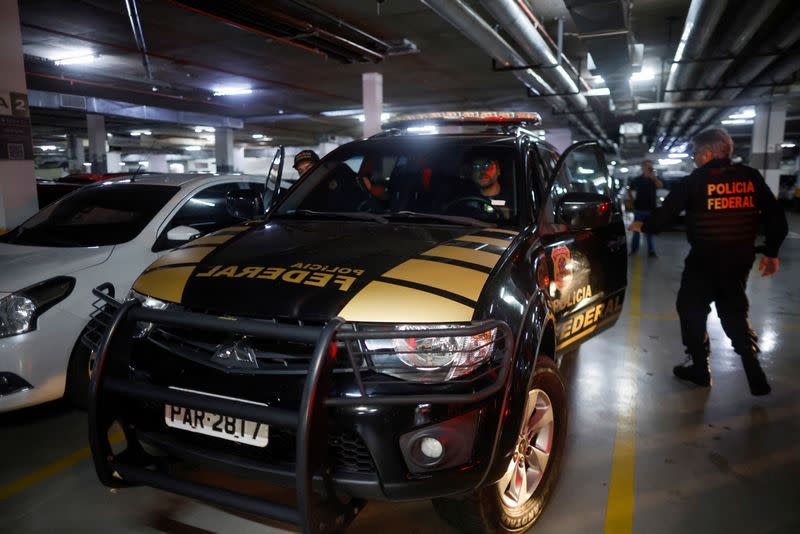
20,310
432,358
143,329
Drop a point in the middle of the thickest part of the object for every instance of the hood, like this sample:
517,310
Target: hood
21,266
313,271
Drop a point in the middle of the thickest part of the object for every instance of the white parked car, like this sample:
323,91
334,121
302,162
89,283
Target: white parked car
109,232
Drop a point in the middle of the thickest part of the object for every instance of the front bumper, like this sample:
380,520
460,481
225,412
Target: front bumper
40,358
342,411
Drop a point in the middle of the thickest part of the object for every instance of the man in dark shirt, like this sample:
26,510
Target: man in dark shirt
644,202
724,204
485,174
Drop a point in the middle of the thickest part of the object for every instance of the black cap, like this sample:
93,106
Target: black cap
305,155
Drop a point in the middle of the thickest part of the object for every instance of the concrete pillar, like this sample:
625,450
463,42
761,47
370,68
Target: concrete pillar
113,160
98,143
17,179
223,149
766,151
75,153
238,159
372,95
157,163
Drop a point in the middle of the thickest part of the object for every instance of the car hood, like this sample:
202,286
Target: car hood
25,265
311,270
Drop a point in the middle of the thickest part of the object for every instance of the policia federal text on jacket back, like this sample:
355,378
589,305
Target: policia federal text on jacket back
724,205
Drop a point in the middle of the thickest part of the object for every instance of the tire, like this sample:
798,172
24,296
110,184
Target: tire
495,508
77,390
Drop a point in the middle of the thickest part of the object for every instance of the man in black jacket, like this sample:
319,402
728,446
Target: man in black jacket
645,187
724,204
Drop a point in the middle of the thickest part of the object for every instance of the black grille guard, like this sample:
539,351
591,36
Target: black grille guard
111,376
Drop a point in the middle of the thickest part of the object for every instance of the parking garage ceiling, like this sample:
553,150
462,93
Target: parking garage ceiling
302,60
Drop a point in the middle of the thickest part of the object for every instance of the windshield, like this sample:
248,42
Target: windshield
448,181
94,216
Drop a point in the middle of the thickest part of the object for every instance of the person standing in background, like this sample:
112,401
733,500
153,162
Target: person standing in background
645,187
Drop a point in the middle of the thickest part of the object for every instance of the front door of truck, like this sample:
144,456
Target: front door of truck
582,228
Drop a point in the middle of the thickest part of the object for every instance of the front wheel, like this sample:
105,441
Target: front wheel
515,502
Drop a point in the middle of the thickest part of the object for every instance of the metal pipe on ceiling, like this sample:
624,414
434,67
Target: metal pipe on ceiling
781,70
477,30
138,35
250,29
514,20
190,63
781,40
701,21
736,37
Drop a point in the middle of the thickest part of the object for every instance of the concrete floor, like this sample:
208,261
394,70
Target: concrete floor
674,458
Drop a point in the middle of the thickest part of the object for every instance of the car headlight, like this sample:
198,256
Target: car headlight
143,329
430,358
20,310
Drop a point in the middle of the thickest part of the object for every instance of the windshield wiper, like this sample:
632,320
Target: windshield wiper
357,215
470,221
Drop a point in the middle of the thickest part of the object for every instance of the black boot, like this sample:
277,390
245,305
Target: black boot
695,370
756,378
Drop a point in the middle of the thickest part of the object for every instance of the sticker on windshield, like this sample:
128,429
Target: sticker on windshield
496,202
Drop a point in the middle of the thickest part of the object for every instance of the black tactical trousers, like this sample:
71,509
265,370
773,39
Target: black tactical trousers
721,280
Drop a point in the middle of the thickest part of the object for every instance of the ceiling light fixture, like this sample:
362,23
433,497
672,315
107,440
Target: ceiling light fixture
645,75
680,155
788,145
193,148
257,136
598,91
47,147
232,91
737,121
74,56
744,113
200,129
384,117
668,161
341,112
137,133
623,169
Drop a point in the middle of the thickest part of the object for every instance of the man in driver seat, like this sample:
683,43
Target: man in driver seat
485,174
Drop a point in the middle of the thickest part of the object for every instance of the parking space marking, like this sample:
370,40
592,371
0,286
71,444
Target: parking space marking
62,464
619,508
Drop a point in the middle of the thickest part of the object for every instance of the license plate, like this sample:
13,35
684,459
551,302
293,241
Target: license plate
216,425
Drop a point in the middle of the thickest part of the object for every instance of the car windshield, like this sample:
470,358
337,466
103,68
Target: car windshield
94,216
446,181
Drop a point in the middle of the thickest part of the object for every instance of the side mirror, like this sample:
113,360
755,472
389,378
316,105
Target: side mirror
244,204
581,211
183,233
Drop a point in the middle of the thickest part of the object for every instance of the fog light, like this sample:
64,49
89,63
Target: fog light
431,448
11,383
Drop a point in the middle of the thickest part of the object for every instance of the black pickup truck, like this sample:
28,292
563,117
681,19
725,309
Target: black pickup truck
388,331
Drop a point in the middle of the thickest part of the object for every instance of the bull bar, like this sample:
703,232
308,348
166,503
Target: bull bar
312,516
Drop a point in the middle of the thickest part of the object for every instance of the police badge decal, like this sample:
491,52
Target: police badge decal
562,271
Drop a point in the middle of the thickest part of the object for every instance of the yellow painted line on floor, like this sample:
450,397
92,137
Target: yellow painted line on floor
619,509
62,464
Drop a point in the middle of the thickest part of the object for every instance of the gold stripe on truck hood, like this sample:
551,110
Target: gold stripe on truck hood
164,284
459,280
478,257
389,303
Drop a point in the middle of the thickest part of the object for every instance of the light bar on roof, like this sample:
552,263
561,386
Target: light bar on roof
467,117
